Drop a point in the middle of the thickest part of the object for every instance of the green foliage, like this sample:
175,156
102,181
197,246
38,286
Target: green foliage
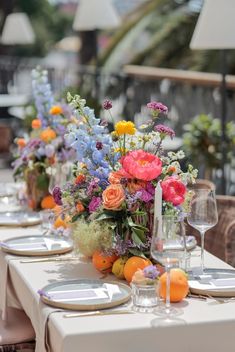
203,141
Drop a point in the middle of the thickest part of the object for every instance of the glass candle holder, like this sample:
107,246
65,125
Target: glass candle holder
144,297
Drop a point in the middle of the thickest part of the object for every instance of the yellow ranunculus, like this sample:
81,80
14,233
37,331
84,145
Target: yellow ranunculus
125,127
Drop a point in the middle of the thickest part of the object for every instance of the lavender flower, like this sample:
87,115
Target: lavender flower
151,272
107,105
164,131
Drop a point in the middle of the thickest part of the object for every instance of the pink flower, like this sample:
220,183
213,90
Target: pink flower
107,105
141,165
173,190
157,107
94,204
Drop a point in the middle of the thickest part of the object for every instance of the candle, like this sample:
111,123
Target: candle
158,208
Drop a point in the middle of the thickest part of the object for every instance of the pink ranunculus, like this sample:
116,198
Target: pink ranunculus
141,165
94,204
173,190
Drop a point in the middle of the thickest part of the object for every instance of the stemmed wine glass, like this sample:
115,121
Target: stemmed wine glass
203,214
168,248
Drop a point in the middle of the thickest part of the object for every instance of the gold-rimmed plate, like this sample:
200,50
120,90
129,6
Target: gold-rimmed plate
85,294
37,245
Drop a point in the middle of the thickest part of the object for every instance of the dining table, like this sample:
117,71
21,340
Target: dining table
203,324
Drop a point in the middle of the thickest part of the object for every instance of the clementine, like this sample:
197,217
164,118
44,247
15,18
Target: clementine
178,285
103,263
132,265
48,202
59,222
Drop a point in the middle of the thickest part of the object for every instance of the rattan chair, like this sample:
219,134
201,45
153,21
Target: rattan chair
220,240
202,183
16,333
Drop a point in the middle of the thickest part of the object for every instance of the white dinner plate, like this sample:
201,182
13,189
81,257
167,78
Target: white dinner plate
37,245
213,282
21,218
85,294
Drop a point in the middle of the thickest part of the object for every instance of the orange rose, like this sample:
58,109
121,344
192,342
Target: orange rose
36,123
56,110
79,179
135,185
115,177
113,197
47,135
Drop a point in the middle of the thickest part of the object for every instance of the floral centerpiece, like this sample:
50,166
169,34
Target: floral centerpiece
41,154
111,198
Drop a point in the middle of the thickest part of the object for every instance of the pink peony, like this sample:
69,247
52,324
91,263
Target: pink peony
141,165
173,190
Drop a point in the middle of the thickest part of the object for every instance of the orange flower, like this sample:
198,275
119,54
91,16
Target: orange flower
21,142
79,207
135,185
115,177
47,135
36,123
113,197
56,110
79,179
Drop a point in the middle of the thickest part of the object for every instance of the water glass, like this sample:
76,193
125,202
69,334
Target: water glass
144,297
47,217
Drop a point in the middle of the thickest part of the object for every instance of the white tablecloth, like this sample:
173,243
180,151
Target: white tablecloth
205,325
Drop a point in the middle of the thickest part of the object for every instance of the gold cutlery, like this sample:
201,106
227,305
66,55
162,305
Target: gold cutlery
97,313
41,260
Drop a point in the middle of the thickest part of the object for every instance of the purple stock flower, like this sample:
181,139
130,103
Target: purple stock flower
151,272
107,105
94,204
165,130
57,195
157,107
145,196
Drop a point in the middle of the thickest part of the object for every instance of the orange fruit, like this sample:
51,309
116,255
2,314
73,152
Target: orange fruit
48,202
178,285
103,263
132,265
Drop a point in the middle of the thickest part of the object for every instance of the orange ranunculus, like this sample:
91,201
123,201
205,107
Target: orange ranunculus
80,207
47,135
56,110
36,123
141,165
115,177
21,142
48,202
135,185
113,196
79,179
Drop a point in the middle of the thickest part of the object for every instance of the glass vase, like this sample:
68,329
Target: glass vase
145,297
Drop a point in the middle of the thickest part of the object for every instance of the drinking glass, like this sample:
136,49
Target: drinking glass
168,247
203,214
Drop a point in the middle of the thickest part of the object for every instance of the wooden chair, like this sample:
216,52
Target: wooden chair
16,333
220,240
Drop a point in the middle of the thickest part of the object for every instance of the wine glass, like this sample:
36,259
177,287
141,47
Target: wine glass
168,247
203,214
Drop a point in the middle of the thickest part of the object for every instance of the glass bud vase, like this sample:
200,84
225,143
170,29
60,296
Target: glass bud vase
144,297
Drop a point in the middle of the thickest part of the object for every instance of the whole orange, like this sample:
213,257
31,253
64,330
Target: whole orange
178,285
48,202
103,263
132,265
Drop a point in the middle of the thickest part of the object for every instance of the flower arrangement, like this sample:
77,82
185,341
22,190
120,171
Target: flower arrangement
39,156
111,198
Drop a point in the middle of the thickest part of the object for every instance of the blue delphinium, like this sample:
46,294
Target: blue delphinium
42,93
90,140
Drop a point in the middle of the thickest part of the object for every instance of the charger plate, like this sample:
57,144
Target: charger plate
21,218
36,245
213,282
85,294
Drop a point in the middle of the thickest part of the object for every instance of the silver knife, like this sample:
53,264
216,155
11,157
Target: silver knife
97,312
